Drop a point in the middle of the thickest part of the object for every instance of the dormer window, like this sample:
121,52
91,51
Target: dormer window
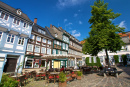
16,21
25,25
41,31
56,34
4,16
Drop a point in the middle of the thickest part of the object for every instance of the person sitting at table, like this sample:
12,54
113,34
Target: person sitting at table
62,69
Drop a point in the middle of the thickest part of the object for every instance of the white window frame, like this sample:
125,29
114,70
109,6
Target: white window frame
17,23
10,38
39,30
4,16
39,39
55,42
42,50
56,34
37,49
21,38
25,25
43,40
43,32
49,49
90,59
32,63
49,42
28,49
1,35
54,51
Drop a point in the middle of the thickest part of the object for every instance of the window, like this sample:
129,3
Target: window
32,36
41,31
60,43
43,63
0,35
21,41
16,21
48,51
43,50
25,25
44,40
54,41
90,60
63,45
4,16
49,42
29,63
57,42
37,49
38,38
10,38
66,46
30,47
54,51
56,35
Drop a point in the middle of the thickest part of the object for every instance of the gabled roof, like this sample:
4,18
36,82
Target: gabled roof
54,30
13,11
36,27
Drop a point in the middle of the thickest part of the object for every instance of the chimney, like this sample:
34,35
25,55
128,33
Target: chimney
50,26
60,27
35,20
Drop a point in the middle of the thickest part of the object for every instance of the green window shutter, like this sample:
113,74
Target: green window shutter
56,51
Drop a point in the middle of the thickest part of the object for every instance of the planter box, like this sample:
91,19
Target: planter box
62,84
74,75
79,77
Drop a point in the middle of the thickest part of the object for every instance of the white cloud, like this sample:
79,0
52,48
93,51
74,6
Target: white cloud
70,23
65,20
80,22
122,24
75,15
68,3
75,33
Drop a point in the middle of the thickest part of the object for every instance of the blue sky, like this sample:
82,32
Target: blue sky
71,15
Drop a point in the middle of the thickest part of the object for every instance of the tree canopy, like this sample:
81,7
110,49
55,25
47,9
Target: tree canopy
104,33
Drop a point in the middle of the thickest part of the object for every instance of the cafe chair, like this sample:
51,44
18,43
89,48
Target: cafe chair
50,77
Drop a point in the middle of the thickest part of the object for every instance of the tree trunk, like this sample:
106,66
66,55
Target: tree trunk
107,58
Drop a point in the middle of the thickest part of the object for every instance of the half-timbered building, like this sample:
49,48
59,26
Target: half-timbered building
39,44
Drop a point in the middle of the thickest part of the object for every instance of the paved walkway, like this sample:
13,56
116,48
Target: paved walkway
93,80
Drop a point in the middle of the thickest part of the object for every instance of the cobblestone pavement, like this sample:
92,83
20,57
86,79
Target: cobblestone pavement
93,80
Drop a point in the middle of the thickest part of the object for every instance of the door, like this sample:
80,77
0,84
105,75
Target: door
56,64
10,65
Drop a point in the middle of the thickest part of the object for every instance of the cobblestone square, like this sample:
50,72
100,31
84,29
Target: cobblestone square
93,80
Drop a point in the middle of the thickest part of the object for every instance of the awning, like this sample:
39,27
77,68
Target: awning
58,56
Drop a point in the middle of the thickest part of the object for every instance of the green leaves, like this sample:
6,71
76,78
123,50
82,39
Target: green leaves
103,34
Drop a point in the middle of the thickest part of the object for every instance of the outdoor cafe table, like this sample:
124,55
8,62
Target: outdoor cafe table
17,76
40,73
54,73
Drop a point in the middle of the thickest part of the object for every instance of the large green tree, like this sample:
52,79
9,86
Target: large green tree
104,33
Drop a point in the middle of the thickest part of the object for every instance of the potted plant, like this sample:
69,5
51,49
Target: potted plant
62,79
79,74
